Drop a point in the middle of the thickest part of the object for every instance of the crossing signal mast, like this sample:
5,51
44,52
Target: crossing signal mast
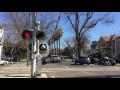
35,36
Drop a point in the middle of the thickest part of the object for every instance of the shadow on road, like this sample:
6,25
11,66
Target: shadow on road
104,76
73,64
76,64
15,76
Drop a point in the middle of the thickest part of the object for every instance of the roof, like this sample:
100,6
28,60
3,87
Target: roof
108,38
105,38
114,37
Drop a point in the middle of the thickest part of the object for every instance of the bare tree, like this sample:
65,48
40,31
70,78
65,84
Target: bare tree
82,22
69,41
17,22
47,21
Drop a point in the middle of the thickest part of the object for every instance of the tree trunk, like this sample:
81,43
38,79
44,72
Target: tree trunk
78,49
59,46
54,49
50,49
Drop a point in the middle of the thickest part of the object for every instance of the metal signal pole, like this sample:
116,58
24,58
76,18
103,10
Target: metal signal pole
33,61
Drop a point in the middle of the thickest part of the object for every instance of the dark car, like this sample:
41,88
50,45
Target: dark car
44,61
94,60
82,60
7,57
112,61
107,62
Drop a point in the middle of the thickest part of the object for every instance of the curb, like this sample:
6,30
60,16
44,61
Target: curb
42,75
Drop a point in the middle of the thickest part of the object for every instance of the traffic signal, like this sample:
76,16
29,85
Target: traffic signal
40,35
27,34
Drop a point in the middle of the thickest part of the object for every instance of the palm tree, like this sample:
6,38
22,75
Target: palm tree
58,35
55,41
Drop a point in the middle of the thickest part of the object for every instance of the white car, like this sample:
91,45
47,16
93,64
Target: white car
56,58
2,62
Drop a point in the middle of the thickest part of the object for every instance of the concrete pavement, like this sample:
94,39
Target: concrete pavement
18,70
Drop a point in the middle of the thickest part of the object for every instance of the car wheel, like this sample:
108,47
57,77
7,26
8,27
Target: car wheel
5,63
113,64
59,61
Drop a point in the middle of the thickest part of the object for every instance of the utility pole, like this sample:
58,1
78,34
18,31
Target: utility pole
33,61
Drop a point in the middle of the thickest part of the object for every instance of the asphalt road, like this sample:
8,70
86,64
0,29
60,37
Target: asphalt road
67,69
2,66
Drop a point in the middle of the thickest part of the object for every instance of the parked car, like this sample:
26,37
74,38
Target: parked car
7,58
44,61
55,58
83,60
94,60
73,60
3,62
107,61
112,61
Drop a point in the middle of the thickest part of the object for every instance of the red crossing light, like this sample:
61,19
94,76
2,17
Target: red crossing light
40,35
27,34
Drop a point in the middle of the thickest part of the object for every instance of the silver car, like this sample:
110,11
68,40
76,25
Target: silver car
2,62
55,58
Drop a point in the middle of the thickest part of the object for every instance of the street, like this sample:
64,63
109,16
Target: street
65,69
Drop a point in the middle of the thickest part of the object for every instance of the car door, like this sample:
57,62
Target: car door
1,62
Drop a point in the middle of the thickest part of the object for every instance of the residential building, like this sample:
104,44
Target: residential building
1,41
93,46
117,48
109,46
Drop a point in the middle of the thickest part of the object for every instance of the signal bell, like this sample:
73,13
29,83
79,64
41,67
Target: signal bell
43,47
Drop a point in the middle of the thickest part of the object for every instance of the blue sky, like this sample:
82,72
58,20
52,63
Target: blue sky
95,34
106,30
100,29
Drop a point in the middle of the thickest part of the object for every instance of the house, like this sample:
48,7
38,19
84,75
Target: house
1,41
109,46
93,46
117,48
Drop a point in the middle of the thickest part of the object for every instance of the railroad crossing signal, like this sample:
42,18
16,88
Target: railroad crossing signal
27,34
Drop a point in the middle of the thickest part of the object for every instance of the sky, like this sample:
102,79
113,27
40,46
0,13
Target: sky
106,30
95,33
100,29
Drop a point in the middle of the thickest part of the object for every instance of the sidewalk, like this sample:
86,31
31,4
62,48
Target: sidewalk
43,75
18,70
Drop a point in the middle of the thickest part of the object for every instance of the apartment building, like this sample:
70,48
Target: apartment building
109,46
